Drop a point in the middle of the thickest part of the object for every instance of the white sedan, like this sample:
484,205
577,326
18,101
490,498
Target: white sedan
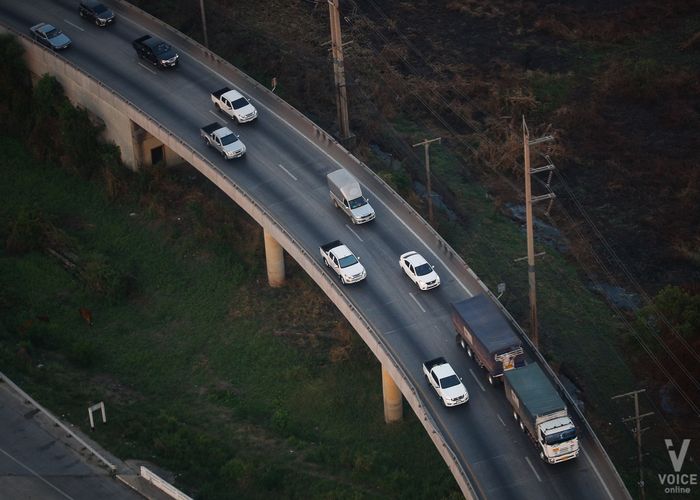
418,269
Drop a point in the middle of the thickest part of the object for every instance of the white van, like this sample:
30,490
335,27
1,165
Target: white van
347,195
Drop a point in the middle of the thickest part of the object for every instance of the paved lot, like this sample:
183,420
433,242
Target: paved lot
38,460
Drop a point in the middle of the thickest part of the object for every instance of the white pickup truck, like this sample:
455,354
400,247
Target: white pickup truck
223,139
343,262
447,384
234,104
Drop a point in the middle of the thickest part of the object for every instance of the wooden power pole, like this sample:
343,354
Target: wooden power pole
339,71
638,433
529,199
426,144
204,23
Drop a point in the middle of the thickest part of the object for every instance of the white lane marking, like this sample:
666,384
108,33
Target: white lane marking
476,379
600,478
269,110
416,301
74,25
215,115
289,174
353,232
533,469
499,418
36,474
148,69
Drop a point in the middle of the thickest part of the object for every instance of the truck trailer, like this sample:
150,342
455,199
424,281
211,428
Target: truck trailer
542,413
486,335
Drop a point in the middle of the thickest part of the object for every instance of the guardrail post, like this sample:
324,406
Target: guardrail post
274,258
393,400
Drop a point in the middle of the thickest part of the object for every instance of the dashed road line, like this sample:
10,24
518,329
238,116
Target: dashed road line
74,25
353,232
289,174
477,380
416,301
527,459
148,69
499,418
215,115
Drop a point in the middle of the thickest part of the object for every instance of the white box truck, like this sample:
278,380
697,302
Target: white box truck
346,194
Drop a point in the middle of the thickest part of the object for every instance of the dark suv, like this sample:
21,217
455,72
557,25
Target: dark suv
96,12
156,51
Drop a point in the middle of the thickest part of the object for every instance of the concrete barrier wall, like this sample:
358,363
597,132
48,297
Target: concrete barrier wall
162,484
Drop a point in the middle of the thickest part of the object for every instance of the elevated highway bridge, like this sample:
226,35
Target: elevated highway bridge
152,114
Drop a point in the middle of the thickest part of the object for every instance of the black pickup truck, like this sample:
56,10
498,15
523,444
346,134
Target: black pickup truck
156,51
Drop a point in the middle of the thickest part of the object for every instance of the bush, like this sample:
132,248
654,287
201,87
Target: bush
15,89
27,233
100,276
83,353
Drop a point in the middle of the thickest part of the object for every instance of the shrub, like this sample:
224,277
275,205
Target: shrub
101,276
83,353
15,89
27,233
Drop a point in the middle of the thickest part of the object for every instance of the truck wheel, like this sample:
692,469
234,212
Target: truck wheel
463,344
469,352
542,456
97,22
491,380
515,416
522,426
82,14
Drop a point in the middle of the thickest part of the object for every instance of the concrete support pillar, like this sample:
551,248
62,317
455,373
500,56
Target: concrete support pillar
393,400
274,258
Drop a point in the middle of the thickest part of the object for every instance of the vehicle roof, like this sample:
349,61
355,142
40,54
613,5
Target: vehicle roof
153,41
534,390
222,132
44,27
443,371
232,95
414,258
486,321
341,251
341,176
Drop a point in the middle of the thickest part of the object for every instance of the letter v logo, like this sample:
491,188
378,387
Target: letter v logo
677,459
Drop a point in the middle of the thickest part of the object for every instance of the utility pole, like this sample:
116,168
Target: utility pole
638,433
339,71
204,24
426,144
534,329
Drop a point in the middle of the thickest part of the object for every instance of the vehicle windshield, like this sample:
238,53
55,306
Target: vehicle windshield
347,261
448,382
162,48
240,103
560,437
423,269
53,33
357,202
228,139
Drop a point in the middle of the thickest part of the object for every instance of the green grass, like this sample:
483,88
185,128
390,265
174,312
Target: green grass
192,367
